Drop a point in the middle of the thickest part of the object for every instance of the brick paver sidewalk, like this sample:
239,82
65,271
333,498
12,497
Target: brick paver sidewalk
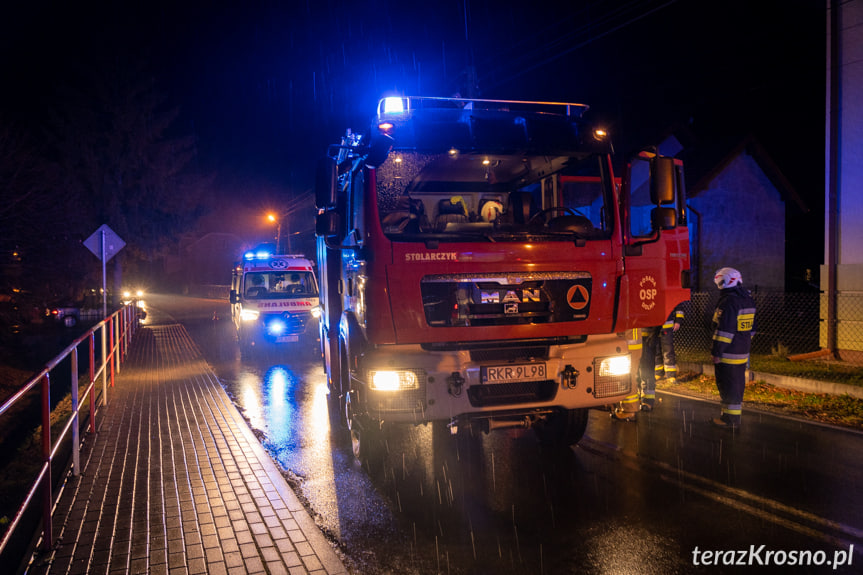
175,482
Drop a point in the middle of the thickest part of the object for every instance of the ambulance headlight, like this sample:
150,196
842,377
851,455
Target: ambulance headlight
392,380
249,315
316,312
615,365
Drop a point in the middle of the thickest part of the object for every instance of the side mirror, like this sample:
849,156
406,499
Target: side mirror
379,150
234,297
326,183
661,180
663,218
328,225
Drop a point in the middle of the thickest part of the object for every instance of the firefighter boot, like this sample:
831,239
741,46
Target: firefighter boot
627,409
620,415
730,418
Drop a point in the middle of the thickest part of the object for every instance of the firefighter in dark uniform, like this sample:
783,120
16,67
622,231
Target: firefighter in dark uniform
734,326
641,342
666,359
647,367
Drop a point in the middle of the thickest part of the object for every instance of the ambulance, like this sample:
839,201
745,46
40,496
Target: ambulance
274,301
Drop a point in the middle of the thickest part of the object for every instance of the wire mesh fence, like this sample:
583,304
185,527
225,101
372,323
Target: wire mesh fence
789,325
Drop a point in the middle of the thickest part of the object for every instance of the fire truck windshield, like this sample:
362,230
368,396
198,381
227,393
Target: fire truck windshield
496,196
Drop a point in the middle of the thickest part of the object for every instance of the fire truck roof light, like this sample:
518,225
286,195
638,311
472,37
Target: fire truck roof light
393,105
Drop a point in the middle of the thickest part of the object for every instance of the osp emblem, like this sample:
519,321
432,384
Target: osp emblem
278,264
647,291
577,296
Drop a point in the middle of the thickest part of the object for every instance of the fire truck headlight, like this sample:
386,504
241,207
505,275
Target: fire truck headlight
249,315
316,312
614,365
393,380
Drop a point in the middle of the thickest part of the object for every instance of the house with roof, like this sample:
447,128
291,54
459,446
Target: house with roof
739,203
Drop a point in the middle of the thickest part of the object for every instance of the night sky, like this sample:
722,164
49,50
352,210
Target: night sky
265,85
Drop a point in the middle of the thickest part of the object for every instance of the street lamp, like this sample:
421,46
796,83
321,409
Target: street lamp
277,219
272,217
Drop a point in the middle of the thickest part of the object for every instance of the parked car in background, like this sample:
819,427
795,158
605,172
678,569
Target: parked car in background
70,314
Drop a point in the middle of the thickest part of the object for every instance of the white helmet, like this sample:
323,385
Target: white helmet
727,277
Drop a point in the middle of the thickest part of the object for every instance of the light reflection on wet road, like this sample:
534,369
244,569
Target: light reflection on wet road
631,498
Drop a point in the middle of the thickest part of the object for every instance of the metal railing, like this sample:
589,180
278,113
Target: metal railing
103,363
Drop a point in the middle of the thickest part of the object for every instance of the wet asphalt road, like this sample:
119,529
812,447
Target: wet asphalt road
647,497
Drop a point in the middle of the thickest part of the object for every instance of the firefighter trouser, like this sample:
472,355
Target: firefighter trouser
731,382
646,368
666,359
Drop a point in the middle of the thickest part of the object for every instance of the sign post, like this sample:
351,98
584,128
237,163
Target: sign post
104,244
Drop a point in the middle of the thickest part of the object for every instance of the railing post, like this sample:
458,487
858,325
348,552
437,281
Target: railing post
47,498
92,380
121,339
76,460
112,355
104,364
127,334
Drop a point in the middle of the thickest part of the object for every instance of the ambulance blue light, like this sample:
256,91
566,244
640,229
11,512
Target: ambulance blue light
277,327
260,255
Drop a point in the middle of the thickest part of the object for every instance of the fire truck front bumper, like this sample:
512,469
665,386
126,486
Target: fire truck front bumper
411,384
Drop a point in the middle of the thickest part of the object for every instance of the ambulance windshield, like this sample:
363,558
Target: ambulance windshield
279,284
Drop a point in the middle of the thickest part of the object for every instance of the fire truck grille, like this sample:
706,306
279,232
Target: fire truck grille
509,353
413,400
609,386
512,393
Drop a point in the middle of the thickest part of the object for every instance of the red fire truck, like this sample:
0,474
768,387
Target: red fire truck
482,266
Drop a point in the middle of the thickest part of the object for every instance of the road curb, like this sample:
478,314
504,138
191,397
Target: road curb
784,381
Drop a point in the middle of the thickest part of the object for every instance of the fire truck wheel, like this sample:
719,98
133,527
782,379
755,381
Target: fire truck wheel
336,406
563,428
366,439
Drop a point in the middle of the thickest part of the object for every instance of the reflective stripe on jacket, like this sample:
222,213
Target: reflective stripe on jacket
676,316
734,325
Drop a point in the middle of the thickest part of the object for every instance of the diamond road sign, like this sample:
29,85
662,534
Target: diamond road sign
113,243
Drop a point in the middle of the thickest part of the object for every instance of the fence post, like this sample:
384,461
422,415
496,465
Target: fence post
47,498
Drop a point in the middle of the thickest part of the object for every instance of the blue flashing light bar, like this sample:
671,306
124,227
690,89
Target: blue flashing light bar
394,105
259,255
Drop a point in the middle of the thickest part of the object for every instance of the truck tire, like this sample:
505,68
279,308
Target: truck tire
366,436
338,379
563,428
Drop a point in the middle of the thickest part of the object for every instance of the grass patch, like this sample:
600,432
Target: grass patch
776,363
841,410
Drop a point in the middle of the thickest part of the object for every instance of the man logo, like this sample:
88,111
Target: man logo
577,297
